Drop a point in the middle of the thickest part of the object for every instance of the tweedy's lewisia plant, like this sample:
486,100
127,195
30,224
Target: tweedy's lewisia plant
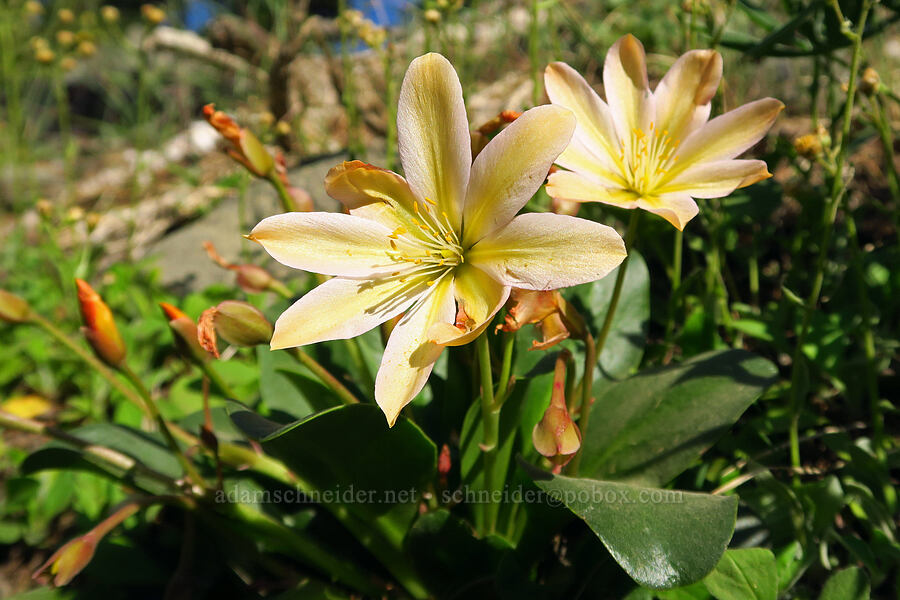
655,150
443,246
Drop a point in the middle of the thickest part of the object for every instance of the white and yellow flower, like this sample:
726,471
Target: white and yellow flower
655,150
443,246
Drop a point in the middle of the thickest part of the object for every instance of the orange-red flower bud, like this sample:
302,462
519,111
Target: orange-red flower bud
13,309
99,326
185,330
247,149
75,555
556,436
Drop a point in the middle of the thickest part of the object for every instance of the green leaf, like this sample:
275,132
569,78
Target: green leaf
627,336
746,574
449,558
649,428
662,538
851,583
285,386
350,453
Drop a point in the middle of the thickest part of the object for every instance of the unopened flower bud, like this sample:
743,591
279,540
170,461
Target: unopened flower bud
13,309
247,149
65,16
44,208
36,42
432,15
266,119
556,318
75,555
68,64
33,7
372,35
808,145
238,323
99,326
250,278
283,128
109,14
153,14
556,436
185,333
65,38
870,82
45,56
87,48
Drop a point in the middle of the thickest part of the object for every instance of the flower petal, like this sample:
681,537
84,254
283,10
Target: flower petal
595,130
329,243
355,183
547,251
512,167
627,89
588,187
677,209
683,96
433,134
342,308
479,297
728,135
409,355
718,178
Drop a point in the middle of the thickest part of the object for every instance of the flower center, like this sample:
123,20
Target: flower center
431,246
647,158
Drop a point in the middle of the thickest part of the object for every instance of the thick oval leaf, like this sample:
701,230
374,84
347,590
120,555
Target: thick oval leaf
350,452
654,425
746,574
662,538
851,583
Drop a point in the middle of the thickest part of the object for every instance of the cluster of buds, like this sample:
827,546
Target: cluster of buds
556,318
870,82
42,51
246,147
33,8
556,436
238,323
65,16
368,31
250,278
436,12
99,326
152,14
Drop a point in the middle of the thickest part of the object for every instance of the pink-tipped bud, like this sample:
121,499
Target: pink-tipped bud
250,278
556,436
555,317
13,309
99,326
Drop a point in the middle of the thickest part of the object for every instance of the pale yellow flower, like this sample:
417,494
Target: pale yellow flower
442,246
655,150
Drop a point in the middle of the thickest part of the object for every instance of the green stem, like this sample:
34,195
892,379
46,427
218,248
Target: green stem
216,379
887,145
189,469
838,187
91,360
287,201
509,344
587,388
325,376
533,53
677,251
617,290
107,456
348,89
490,417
